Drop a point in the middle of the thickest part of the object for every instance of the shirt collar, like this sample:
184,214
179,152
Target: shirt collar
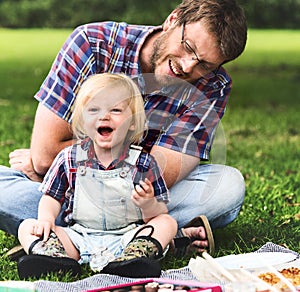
88,145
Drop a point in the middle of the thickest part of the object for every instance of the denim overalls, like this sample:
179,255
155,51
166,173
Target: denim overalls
106,218
102,198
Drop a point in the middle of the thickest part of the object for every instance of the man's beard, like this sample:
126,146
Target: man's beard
159,49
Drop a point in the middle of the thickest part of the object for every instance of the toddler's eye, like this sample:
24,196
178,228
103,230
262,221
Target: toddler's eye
116,110
92,109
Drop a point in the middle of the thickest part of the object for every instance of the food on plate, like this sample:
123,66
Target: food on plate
292,274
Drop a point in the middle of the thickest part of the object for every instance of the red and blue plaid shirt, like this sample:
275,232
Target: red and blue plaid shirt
181,118
59,181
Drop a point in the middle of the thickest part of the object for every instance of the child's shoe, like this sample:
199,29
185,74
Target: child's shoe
46,257
139,259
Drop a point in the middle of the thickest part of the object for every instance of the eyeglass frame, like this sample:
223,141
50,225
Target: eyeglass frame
191,50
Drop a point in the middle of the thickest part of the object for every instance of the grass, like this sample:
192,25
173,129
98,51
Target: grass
26,57
261,128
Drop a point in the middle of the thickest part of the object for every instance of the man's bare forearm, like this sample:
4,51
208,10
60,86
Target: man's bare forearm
174,165
50,135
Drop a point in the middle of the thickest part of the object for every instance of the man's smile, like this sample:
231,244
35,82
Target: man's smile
174,69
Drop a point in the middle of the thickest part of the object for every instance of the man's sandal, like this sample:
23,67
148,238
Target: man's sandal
15,253
34,266
182,241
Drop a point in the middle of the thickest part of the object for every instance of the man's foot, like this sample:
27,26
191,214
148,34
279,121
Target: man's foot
196,235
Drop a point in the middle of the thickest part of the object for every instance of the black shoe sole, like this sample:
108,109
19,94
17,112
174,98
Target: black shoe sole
34,266
135,268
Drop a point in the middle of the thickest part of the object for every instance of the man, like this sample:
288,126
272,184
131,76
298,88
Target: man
196,39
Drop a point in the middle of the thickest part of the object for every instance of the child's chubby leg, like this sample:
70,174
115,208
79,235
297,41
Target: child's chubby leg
58,243
164,229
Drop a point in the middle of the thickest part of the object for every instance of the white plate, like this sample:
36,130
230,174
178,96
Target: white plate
255,260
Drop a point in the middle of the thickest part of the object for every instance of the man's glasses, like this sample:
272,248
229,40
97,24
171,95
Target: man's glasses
202,67
187,46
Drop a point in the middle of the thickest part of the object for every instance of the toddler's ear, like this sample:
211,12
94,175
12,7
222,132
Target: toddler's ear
132,126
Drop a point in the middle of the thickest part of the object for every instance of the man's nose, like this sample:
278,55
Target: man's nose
188,64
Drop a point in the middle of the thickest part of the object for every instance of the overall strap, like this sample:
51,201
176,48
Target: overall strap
81,155
133,155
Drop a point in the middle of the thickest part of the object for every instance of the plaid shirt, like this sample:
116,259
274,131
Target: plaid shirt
59,181
181,118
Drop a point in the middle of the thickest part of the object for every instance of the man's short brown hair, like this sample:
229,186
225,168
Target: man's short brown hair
224,18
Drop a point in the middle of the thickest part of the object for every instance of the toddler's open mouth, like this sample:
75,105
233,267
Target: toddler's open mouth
104,131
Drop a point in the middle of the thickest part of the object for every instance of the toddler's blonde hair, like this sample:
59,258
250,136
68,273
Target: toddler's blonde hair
98,82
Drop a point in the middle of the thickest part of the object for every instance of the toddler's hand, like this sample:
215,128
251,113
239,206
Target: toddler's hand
143,194
42,228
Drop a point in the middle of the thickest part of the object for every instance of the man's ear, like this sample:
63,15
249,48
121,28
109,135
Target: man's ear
170,20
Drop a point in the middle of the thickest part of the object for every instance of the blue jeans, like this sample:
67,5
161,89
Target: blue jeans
216,191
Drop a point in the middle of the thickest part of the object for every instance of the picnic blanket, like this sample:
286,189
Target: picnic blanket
104,280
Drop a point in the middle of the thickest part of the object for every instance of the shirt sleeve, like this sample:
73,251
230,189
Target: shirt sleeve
73,64
192,116
56,181
148,168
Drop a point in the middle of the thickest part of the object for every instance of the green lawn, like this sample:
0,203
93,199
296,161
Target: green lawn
261,128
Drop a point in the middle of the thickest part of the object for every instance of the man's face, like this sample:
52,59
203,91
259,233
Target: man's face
188,53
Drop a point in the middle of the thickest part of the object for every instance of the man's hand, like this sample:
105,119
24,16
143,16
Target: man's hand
20,159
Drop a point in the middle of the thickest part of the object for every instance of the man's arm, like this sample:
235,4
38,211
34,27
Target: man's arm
174,165
50,135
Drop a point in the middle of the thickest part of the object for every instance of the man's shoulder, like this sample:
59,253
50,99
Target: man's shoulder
100,29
